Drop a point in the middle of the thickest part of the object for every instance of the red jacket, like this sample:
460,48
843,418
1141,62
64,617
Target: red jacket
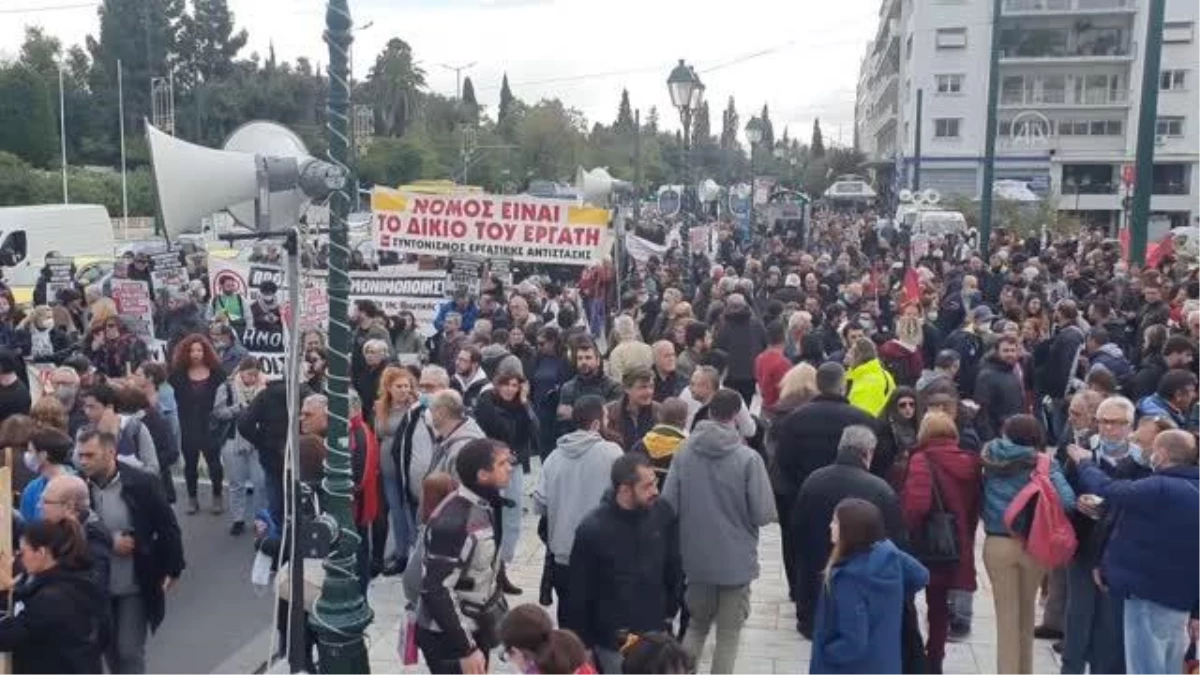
959,480
364,454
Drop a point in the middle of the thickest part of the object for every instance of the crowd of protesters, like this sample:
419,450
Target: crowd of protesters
885,411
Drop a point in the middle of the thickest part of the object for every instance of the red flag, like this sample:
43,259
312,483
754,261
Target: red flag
912,288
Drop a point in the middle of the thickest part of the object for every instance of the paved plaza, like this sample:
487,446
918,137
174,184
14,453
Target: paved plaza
769,642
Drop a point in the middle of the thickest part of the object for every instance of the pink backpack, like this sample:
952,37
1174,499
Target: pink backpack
1036,517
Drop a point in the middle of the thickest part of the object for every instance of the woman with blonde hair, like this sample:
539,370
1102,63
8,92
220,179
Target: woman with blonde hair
798,386
397,393
630,351
942,478
48,413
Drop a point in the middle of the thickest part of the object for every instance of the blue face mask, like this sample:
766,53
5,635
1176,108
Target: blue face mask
424,399
1113,449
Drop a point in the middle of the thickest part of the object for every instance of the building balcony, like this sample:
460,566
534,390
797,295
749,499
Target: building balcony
1067,7
1096,53
1118,98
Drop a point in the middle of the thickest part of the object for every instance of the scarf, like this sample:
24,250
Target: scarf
366,493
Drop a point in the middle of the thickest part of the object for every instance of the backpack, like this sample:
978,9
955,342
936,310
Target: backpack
1037,518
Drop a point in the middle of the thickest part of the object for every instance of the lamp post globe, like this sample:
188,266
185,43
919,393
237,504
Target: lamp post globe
754,132
682,84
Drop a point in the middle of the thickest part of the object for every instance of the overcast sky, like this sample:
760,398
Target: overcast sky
799,56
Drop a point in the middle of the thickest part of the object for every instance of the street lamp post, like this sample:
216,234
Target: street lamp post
341,614
754,134
687,93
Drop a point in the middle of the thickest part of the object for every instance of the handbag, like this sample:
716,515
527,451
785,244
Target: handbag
937,538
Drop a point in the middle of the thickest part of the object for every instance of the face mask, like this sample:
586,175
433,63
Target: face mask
31,462
424,399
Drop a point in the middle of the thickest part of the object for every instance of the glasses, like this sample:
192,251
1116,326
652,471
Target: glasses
1117,421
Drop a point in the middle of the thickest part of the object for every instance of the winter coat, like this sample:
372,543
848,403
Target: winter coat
231,356
573,479
869,386
60,345
471,388
627,355
1153,552
999,393
509,421
180,323
366,383
859,617
62,625
1156,406
720,488
1112,359
265,425
742,337
969,346
660,445
625,572
445,451
626,430
1053,373
1006,470
469,315
958,483
813,509
670,386
809,436
118,359
409,341
1093,534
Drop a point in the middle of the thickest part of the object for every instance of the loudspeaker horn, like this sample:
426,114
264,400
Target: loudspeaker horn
905,195
931,196
268,139
180,168
708,191
597,185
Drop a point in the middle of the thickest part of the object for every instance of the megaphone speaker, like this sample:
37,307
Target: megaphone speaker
594,186
193,181
268,139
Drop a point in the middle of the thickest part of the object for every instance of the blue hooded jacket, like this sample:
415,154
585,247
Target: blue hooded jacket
1006,469
859,616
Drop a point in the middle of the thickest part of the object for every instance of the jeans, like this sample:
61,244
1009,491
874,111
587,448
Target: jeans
126,652
1054,615
728,607
1155,637
273,484
403,528
511,515
242,462
1015,580
1093,635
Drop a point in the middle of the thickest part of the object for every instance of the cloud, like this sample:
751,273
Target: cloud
798,56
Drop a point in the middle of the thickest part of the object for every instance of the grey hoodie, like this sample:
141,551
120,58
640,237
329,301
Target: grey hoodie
572,481
445,451
721,490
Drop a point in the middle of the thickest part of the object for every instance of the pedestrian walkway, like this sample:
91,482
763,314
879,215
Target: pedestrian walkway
769,642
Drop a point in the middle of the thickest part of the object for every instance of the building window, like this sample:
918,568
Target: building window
951,38
1090,127
1172,179
1088,179
1173,80
908,48
1169,126
949,84
947,127
1176,32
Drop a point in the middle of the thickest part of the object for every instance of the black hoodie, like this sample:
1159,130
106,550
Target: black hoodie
743,338
62,626
1000,393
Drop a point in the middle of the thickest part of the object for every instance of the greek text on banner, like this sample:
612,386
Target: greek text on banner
523,228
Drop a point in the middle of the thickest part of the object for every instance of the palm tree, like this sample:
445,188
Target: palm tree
394,83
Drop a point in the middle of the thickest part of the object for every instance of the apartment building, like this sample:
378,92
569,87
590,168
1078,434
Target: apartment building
1070,83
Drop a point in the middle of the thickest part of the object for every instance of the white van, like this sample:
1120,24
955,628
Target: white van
72,230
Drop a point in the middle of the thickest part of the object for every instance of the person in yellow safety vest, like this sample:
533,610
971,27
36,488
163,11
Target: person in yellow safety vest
870,384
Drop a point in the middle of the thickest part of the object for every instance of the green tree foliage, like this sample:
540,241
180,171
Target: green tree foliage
469,104
817,146
768,137
29,129
504,111
624,123
394,84
394,161
208,42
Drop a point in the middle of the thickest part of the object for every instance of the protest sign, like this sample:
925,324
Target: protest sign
464,273
520,227
132,298
61,277
167,272
500,269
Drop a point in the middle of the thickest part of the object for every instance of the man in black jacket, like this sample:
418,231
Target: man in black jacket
999,389
814,507
1058,364
743,338
626,573
806,440
1176,353
265,426
147,546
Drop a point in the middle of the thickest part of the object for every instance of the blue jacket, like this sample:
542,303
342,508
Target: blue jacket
1156,406
1006,469
859,615
469,315
1153,552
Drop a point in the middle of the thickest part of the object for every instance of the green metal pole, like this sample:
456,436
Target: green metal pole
341,615
1143,185
916,175
989,134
